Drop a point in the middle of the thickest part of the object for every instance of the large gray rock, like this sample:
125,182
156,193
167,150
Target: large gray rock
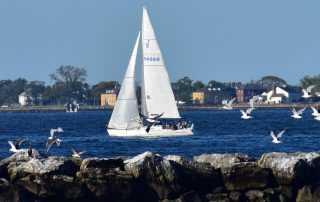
66,186
8,191
20,156
51,165
197,176
239,171
158,173
255,195
309,193
37,185
246,175
287,193
223,160
106,179
294,168
102,163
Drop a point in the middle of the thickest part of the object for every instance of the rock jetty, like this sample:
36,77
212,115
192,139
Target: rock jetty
150,177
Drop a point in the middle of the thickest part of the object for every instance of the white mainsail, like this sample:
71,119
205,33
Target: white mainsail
125,114
156,92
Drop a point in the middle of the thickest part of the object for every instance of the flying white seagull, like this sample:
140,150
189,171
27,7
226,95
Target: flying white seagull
77,154
52,131
13,147
50,141
277,139
246,114
228,104
315,111
317,117
307,92
18,142
297,114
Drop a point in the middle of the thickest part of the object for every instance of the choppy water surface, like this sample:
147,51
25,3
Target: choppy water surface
216,132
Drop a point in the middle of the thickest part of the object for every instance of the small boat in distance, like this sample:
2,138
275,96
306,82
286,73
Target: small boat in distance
72,106
157,99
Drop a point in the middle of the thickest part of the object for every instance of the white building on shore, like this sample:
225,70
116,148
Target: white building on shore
26,98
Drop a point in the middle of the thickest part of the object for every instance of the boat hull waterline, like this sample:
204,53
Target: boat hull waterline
153,133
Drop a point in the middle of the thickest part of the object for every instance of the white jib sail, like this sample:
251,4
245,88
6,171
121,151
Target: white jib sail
125,114
157,96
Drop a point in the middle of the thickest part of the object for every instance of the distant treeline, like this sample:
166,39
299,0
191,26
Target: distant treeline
70,83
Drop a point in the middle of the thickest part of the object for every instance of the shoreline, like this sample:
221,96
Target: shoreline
182,108
274,176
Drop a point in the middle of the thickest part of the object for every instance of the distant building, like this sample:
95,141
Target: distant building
284,94
212,95
198,97
245,92
109,98
25,98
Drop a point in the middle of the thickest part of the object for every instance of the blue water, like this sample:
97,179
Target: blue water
215,132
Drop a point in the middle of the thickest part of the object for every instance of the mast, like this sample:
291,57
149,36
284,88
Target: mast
156,92
125,114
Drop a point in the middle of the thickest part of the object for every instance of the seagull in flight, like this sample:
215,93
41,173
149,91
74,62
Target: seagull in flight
246,114
315,111
307,92
276,140
297,114
50,141
52,131
18,142
317,118
151,121
77,154
13,147
228,104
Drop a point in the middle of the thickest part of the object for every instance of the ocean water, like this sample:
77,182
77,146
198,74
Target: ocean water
215,132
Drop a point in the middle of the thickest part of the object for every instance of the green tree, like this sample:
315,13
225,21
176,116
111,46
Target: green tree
311,80
216,84
270,81
69,81
197,85
10,90
183,89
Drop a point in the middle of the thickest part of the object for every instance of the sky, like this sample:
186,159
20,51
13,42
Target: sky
202,39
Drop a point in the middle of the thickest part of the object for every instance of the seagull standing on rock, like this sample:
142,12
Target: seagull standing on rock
276,140
297,114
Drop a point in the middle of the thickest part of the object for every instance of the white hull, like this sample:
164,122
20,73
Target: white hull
154,132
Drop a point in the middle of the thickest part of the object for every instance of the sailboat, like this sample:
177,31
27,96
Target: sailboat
157,99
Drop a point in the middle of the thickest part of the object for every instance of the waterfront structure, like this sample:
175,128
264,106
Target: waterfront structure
245,92
283,94
25,98
109,98
198,97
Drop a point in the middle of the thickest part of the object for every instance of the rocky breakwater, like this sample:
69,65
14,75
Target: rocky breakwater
151,177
